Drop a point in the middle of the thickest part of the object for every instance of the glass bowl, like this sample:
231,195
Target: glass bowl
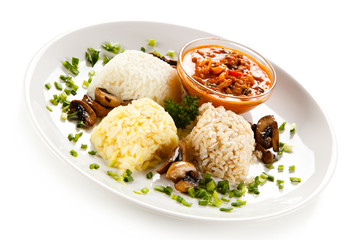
237,104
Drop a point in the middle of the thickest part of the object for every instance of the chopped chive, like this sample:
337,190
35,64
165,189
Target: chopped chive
92,56
185,203
106,60
83,146
292,127
48,86
73,153
217,203
210,186
128,179
92,73
295,179
142,49
159,188
137,192
85,84
92,152
203,202
63,116
269,166
192,192
151,42
225,199
54,102
58,86
280,183
288,148
292,168
168,190
71,137
237,204
171,53
282,126
48,108
94,166
145,190
79,124
77,136
179,199
73,68
227,209
149,175
112,47
281,168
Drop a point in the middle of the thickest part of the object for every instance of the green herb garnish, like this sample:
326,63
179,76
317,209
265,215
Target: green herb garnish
112,47
185,113
92,56
73,66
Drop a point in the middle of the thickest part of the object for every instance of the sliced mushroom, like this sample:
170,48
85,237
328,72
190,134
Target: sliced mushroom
107,99
267,133
83,111
191,179
179,169
178,154
266,156
100,110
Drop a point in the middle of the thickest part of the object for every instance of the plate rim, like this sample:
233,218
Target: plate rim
29,109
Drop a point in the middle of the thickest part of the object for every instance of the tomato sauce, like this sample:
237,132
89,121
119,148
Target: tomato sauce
227,71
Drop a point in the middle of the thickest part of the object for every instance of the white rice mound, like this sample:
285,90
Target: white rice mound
221,143
136,136
134,74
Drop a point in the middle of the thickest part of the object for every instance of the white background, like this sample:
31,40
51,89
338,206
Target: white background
317,42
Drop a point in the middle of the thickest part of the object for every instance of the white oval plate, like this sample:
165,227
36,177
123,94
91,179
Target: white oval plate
314,143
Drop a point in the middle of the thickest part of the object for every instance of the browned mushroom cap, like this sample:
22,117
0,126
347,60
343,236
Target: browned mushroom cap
100,110
267,133
179,169
83,111
267,156
178,154
107,99
191,179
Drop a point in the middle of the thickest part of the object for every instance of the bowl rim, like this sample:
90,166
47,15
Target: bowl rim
246,98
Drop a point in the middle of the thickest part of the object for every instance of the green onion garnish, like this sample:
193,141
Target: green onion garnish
85,84
106,60
185,203
225,199
73,153
94,166
92,56
203,202
63,116
48,86
112,47
145,190
73,68
269,166
292,127
91,73
168,190
170,53
228,209
295,179
151,42
159,188
282,126
142,49
281,168
79,124
48,108
58,86
192,192
83,146
280,183
149,175
210,186
292,168
92,152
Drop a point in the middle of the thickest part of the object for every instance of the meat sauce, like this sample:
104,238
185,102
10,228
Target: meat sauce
227,71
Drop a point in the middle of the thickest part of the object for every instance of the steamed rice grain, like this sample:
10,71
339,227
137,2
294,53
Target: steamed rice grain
221,143
135,74
136,136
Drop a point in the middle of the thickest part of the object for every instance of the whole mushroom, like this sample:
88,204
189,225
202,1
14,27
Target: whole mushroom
184,175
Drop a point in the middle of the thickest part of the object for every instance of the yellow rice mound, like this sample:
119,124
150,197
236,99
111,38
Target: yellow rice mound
136,136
